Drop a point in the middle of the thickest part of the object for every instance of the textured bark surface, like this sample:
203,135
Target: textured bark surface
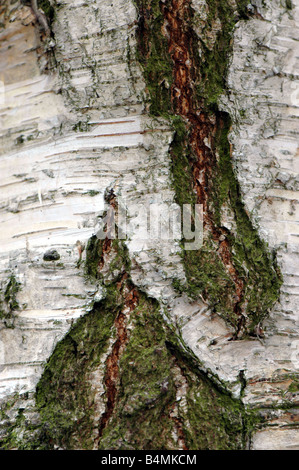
140,344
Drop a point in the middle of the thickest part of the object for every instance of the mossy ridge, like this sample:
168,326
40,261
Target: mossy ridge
94,255
252,259
181,153
211,406
146,403
64,396
255,264
213,64
154,57
140,419
204,271
94,252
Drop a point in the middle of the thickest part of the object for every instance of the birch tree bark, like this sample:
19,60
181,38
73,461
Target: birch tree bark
136,341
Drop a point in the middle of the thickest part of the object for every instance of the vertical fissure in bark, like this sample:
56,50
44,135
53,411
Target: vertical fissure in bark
112,370
201,129
178,68
112,364
179,420
129,296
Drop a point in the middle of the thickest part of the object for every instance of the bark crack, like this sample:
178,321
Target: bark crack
112,364
130,300
201,130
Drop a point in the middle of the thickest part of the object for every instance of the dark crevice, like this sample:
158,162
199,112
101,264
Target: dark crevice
201,156
130,302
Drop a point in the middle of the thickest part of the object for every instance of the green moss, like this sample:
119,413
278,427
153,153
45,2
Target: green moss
11,291
205,272
81,126
294,387
64,396
214,60
8,298
207,276
48,9
18,431
11,440
93,192
180,163
140,419
214,420
20,140
255,265
94,251
151,369
178,285
154,366
153,56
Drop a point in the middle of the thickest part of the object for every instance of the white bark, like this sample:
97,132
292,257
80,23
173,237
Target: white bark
53,180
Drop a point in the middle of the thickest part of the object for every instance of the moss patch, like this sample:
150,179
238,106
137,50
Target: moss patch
162,401
147,402
64,396
47,8
206,273
153,55
213,64
149,411
256,266
94,257
8,299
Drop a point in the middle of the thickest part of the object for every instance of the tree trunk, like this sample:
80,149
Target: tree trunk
118,329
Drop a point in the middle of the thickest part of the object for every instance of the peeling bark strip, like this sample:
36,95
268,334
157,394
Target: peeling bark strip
129,295
112,363
112,371
233,270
